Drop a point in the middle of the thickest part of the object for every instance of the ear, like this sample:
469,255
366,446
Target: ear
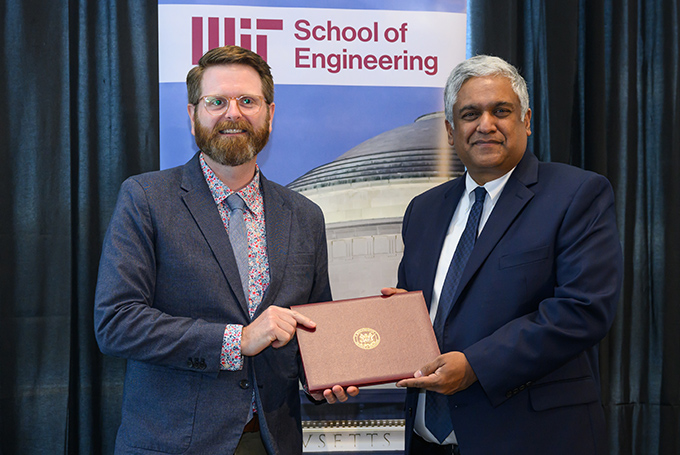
449,131
191,109
527,122
271,116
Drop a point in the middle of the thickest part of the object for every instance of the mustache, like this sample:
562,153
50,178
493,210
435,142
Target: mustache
228,125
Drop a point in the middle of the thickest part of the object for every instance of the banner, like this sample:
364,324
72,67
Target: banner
342,75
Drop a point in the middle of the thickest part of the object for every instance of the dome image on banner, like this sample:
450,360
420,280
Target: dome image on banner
364,194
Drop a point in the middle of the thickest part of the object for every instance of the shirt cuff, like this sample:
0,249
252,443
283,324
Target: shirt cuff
231,357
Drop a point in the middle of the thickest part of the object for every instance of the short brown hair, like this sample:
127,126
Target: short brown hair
229,55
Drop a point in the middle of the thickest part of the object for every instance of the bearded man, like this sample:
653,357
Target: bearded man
199,268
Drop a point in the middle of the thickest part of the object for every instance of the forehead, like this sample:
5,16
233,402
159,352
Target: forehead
484,91
231,80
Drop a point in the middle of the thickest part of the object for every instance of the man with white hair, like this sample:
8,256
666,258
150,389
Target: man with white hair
520,264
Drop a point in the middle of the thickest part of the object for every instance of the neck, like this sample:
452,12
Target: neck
235,177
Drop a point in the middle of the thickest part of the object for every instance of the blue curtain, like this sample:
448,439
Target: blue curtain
605,87
79,94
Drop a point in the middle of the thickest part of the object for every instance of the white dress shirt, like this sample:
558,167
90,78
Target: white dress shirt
494,189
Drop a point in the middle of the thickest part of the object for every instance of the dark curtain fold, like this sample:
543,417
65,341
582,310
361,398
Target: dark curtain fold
79,87
605,88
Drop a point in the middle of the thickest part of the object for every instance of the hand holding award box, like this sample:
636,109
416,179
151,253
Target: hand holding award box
365,341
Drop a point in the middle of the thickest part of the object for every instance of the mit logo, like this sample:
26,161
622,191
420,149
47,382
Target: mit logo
245,35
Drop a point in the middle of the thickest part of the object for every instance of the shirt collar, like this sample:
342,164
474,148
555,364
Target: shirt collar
494,188
220,192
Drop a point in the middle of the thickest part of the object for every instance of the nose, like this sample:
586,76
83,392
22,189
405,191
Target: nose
232,111
487,123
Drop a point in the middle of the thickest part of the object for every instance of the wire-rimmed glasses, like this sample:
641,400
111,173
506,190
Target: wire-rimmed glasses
247,104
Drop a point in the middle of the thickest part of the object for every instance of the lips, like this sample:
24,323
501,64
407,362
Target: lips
487,142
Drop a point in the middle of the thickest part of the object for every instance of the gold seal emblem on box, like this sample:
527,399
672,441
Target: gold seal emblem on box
366,338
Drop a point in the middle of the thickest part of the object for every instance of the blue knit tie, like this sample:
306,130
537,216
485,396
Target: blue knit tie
437,415
238,236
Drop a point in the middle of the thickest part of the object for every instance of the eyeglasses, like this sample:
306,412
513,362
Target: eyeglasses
247,104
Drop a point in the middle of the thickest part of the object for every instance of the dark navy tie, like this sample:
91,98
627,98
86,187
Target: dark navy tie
238,236
437,415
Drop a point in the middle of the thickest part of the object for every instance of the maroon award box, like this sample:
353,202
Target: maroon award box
366,341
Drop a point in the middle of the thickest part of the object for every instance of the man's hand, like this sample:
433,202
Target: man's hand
275,326
337,393
391,291
449,373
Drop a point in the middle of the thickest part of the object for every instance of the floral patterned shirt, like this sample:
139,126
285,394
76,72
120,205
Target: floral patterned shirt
231,357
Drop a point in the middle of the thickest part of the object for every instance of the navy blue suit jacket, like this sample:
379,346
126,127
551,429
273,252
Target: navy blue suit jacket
538,293
168,285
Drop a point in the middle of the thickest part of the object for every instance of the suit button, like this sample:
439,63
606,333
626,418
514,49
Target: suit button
508,394
244,384
190,363
202,365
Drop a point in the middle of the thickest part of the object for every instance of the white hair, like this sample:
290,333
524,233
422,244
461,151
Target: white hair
481,66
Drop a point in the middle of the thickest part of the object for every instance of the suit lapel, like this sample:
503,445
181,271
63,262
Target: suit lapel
514,197
277,218
441,220
201,204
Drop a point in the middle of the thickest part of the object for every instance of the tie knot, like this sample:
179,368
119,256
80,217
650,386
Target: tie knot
235,202
480,194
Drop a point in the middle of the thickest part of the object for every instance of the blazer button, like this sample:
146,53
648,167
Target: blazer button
190,363
508,394
244,384
202,365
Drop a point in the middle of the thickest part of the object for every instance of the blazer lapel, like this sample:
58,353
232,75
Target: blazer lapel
201,204
514,197
278,218
440,222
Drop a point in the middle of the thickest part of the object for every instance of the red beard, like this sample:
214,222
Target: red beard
231,150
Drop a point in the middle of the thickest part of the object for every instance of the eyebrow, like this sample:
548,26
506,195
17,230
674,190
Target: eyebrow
477,106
